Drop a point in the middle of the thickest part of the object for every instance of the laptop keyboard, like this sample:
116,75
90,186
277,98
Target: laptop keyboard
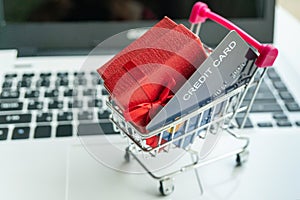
274,98
45,105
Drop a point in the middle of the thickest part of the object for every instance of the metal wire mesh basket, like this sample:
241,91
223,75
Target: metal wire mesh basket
215,116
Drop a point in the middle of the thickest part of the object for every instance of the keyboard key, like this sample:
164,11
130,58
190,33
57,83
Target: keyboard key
261,96
10,75
248,123
265,124
104,115
51,93
7,84
64,130
280,116
94,73
79,74
42,132
95,129
3,133
65,116
272,74
96,81
259,101
286,96
279,85
85,115
43,83
45,74
44,117
35,105
54,104
11,106
32,94
80,81
24,83
62,82
284,123
75,104
62,74
20,133
15,118
292,107
268,96
28,75
298,123
70,93
105,92
89,92
266,107
9,94
95,103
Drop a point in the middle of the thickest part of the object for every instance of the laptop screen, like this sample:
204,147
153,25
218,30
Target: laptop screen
120,10
56,25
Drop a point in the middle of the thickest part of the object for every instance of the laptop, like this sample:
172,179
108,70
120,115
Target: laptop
46,97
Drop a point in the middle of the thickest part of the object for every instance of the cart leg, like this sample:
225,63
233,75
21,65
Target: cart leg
242,157
195,159
166,186
127,154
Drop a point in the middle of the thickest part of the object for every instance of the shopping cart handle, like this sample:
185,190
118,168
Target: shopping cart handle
267,52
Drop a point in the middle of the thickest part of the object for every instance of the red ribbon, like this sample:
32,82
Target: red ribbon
141,114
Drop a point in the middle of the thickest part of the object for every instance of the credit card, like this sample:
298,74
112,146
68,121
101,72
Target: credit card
229,66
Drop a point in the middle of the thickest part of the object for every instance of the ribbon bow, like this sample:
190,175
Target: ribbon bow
142,113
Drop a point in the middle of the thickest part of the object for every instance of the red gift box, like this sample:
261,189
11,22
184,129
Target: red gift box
141,81
156,32
157,38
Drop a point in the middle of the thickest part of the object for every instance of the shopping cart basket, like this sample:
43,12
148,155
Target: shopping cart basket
215,116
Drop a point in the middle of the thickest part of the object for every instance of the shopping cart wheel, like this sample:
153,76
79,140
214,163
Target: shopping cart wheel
166,187
242,157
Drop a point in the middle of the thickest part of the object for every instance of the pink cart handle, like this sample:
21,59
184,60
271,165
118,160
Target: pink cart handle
268,53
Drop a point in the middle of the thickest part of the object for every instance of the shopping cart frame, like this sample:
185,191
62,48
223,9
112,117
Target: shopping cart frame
233,106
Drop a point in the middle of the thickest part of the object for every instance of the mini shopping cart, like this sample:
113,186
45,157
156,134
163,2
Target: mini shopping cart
216,116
